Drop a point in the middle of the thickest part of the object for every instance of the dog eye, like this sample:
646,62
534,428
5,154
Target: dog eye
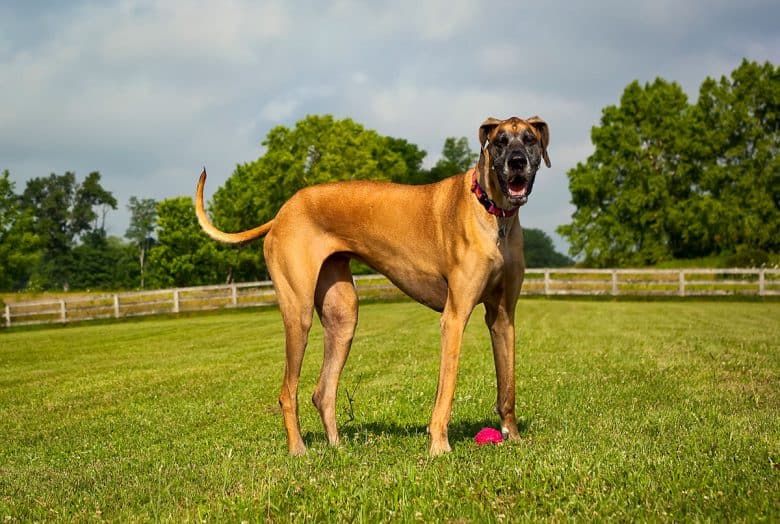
528,138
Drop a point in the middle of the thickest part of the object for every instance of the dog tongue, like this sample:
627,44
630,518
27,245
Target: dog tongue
518,188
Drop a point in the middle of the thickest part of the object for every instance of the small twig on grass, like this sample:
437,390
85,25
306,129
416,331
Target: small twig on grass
351,400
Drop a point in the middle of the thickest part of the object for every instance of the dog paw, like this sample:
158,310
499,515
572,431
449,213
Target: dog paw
439,448
298,450
510,434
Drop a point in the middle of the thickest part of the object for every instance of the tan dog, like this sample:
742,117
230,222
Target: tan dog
449,245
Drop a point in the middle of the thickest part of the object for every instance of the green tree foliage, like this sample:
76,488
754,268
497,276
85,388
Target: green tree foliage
101,262
237,206
622,191
456,157
412,156
48,200
90,205
540,252
318,149
183,254
62,212
738,126
670,180
322,149
19,245
143,221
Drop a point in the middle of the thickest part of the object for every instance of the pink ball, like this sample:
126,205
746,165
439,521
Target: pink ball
488,436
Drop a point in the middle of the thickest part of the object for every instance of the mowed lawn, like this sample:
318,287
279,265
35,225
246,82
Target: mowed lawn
629,410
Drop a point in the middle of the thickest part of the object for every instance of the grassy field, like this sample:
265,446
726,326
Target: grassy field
661,411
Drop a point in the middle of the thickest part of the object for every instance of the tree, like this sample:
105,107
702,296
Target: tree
183,254
738,123
101,262
236,206
90,195
48,200
412,156
63,211
539,250
322,149
669,180
626,193
456,157
143,219
319,149
19,245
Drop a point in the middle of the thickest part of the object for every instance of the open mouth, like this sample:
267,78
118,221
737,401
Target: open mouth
518,189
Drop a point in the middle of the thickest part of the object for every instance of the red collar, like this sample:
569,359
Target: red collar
488,204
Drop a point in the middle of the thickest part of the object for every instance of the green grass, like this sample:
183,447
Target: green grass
661,411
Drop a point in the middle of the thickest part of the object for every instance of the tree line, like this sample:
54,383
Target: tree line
53,236
672,180
668,180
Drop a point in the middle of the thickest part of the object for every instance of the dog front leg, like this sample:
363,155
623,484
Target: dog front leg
453,323
500,321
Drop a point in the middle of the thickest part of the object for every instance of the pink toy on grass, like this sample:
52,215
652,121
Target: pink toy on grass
488,436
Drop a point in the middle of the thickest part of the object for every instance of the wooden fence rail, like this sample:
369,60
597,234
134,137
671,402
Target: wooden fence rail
610,282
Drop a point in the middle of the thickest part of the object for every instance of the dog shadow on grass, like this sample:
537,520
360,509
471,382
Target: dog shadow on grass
459,431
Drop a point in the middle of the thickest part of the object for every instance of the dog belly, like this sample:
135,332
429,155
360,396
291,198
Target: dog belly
427,288
429,292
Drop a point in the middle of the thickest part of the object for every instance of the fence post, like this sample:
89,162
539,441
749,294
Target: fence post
116,306
614,283
233,294
546,282
63,317
761,282
7,316
175,300
682,283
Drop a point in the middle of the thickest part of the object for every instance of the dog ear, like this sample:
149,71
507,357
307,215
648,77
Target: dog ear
544,132
485,129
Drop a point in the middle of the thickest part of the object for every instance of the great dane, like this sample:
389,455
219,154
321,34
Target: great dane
449,245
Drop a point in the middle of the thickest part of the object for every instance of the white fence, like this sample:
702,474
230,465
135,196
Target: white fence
608,282
653,282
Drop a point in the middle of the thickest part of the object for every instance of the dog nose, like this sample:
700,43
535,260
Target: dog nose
517,162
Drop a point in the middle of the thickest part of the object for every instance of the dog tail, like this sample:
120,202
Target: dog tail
216,234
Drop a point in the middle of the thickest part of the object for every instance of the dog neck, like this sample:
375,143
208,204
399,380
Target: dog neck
489,204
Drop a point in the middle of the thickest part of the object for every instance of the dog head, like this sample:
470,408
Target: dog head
512,150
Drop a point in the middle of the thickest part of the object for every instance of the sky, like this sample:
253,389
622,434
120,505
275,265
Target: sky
148,91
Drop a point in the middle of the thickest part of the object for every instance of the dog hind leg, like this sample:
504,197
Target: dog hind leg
295,305
296,338
337,305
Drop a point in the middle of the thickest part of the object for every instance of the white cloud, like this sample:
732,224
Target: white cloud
359,78
442,19
227,30
279,109
428,20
